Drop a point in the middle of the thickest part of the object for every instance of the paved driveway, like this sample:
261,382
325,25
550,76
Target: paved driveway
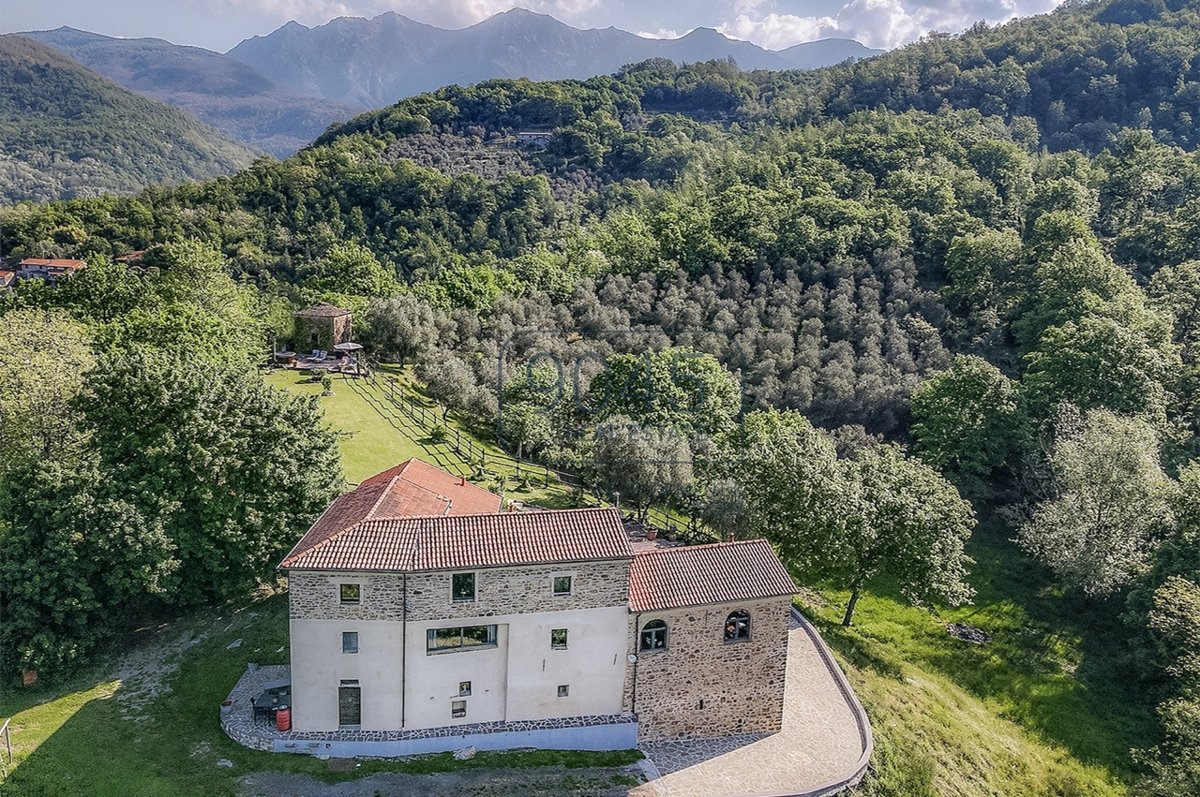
823,747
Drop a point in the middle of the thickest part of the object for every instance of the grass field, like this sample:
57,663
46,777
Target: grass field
378,434
1041,711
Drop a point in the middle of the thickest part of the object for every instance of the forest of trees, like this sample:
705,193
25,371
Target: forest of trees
958,280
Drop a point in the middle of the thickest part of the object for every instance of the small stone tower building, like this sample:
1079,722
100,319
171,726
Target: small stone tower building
322,326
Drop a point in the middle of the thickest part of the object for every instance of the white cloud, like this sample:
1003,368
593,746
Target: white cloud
777,31
876,23
661,33
748,7
445,13
306,11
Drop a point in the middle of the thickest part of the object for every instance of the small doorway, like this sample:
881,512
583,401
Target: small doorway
349,704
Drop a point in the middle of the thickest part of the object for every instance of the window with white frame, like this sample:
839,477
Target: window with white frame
462,587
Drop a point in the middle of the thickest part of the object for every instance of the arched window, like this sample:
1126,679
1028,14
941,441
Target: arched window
737,626
654,635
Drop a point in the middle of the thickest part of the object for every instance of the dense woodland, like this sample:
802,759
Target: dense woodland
865,306
67,132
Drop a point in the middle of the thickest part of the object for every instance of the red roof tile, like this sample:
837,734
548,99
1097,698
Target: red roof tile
460,542
41,262
698,575
412,488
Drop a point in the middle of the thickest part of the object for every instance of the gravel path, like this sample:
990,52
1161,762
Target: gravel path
819,743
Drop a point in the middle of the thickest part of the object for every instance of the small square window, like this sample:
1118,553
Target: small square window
458,709
558,639
350,593
464,688
349,642
564,690
562,585
462,586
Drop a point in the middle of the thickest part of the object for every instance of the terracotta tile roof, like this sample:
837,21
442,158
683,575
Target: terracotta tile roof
322,310
412,488
697,575
461,542
41,263
418,517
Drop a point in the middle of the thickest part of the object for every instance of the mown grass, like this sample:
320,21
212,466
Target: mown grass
377,435
81,740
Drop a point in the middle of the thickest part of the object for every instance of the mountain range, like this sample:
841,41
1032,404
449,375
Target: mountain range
222,91
278,92
65,132
374,62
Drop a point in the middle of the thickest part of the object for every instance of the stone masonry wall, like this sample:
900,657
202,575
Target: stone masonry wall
329,332
518,590
498,591
317,596
702,686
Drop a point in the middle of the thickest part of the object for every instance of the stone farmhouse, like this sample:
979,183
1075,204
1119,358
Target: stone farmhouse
425,618
322,326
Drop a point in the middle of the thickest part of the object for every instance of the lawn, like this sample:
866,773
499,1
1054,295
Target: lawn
149,735
379,434
1045,708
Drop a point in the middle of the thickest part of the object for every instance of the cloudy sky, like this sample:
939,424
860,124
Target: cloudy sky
774,24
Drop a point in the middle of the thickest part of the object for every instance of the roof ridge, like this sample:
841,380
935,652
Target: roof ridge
383,493
706,546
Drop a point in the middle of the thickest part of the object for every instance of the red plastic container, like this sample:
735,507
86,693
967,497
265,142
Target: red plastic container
283,719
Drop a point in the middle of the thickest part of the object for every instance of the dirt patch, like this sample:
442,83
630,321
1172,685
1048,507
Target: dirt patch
143,671
534,782
968,633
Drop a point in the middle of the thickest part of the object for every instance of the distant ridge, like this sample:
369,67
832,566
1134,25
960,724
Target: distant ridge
67,132
220,90
374,62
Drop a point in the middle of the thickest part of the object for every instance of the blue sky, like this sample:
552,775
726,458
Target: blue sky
774,24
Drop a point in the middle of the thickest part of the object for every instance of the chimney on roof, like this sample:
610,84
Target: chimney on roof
617,501
462,481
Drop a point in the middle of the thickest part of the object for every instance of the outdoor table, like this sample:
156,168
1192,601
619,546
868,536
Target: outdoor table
270,699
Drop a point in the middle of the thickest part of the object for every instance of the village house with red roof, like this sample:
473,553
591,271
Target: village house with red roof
424,617
49,270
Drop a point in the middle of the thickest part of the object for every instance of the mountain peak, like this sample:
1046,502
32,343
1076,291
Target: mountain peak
372,65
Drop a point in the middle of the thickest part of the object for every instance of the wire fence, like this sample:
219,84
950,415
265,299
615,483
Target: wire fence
458,452
6,733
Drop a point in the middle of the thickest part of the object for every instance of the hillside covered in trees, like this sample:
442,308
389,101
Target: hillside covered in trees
67,132
968,268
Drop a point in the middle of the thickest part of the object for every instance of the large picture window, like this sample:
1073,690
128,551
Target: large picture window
442,640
